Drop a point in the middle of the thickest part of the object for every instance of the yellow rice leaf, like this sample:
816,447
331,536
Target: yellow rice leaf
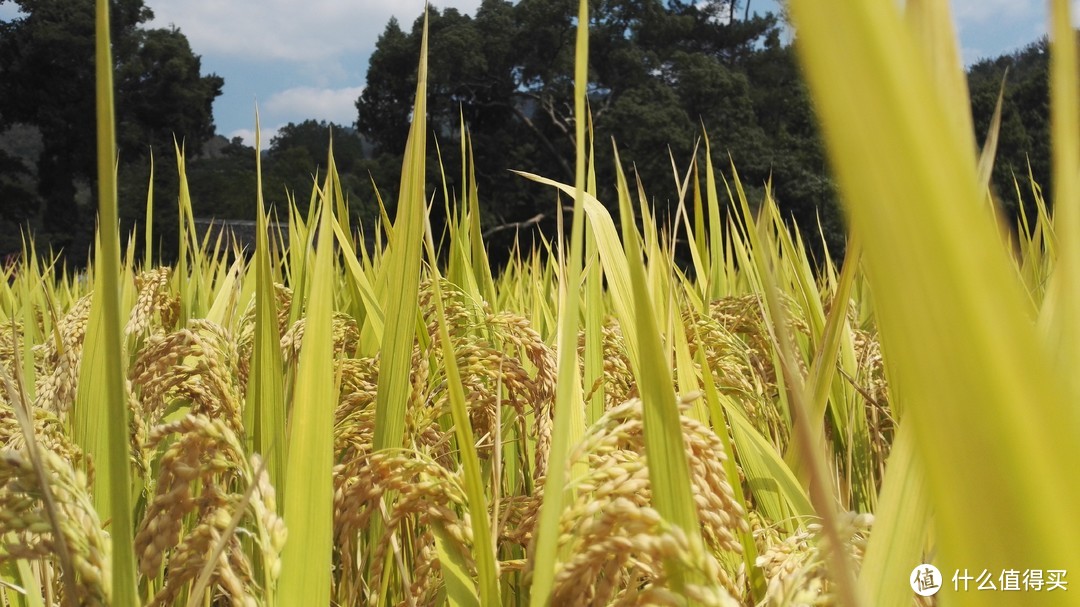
669,471
568,415
483,546
306,563
111,394
264,408
932,27
901,524
719,285
148,245
611,254
1059,317
594,308
988,408
400,281
226,292
989,149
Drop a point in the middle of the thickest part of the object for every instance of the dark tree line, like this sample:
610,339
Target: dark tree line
221,178
660,73
47,82
1024,138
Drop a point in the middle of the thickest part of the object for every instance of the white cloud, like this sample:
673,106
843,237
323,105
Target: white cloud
335,105
248,135
302,103
262,46
982,11
286,30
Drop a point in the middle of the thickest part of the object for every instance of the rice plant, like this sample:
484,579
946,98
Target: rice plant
316,424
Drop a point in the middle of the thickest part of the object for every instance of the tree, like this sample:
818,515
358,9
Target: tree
19,200
47,80
298,154
1024,138
20,148
383,117
162,93
659,71
313,137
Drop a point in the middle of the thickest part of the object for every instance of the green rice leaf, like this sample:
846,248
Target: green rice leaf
821,487
110,367
460,590
264,408
823,368
483,545
362,286
90,416
720,419
309,496
669,472
26,592
148,244
401,278
568,414
481,267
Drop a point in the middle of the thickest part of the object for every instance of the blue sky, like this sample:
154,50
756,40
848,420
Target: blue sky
308,59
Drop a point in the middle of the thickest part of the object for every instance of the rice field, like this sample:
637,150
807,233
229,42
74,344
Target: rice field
372,416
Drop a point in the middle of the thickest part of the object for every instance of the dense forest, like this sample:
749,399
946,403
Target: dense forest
663,75
47,152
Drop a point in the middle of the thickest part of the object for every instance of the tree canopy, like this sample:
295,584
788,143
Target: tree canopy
47,81
659,73
1024,138
662,72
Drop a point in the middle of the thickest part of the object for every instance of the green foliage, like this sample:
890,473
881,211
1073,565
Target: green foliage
313,138
46,57
1025,121
110,402
222,179
162,94
658,73
19,198
465,472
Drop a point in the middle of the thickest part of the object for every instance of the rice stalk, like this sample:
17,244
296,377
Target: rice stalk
109,364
